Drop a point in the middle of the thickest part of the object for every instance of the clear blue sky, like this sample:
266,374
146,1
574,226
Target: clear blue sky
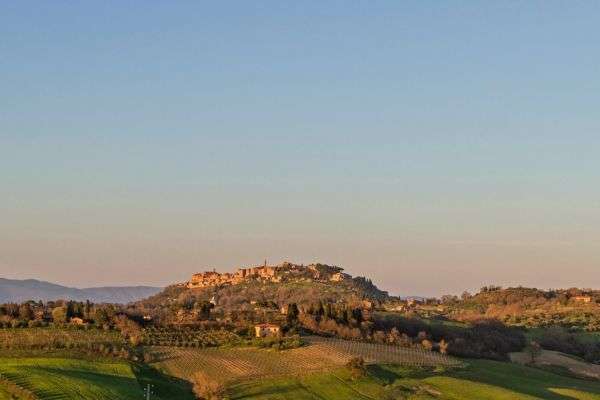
433,146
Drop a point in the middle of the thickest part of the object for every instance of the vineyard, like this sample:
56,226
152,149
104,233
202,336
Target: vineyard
55,338
241,363
188,337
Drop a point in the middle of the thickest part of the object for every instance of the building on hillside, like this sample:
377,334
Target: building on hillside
397,308
265,273
413,302
267,330
339,277
583,299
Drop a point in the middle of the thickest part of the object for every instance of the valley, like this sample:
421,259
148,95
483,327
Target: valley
271,332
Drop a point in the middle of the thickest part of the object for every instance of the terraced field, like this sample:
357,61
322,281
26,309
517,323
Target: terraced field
235,364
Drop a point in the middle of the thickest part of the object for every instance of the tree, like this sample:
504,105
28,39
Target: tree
206,388
70,309
87,311
443,346
427,345
205,308
329,311
102,316
320,309
292,314
379,336
12,310
533,351
449,299
25,312
357,367
59,315
357,315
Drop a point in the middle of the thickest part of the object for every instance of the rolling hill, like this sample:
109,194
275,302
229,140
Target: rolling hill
12,290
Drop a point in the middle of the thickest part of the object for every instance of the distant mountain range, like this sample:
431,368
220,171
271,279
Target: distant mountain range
12,290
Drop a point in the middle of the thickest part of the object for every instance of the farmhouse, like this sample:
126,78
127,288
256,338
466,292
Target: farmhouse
582,299
77,321
267,330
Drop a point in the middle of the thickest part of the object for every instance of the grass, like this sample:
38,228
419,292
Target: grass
4,395
72,378
585,337
64,375
78,378
480,380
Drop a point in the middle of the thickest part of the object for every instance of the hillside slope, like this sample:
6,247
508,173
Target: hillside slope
12,290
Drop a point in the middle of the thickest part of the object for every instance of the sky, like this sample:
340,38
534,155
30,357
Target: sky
434,147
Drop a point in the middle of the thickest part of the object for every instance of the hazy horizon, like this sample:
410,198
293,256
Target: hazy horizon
432,147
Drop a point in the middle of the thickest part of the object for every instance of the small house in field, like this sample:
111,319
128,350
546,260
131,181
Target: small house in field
583,299
77,321
267,330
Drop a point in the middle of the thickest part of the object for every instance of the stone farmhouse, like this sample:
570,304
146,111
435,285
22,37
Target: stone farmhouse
267,330
77,321
583,299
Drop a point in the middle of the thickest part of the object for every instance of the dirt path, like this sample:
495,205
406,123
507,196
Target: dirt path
555,358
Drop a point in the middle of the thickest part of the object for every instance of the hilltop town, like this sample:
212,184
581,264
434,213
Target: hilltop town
285,272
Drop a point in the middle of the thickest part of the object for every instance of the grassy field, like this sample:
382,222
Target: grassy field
71,378
586,337
4,395
480,380
314,372
242,363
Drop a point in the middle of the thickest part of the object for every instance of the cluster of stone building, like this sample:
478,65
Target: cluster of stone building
278,273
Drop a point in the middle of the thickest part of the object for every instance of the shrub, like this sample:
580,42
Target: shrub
206,388
357,367
533,351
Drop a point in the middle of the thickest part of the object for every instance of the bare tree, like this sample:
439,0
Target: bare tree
206,388
533,350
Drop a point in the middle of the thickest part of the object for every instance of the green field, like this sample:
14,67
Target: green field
64,376
481,380
70,378
4,395
585,337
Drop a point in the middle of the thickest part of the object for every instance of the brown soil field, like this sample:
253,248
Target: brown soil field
547,357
